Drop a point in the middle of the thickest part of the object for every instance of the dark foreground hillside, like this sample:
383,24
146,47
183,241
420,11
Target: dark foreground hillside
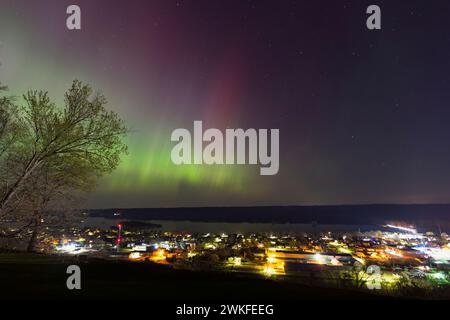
38,277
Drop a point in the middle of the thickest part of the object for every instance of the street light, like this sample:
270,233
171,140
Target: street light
119,237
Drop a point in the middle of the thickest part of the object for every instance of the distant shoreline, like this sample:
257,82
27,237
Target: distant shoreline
433,215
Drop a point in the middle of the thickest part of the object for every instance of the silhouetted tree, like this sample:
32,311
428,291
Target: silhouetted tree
56,151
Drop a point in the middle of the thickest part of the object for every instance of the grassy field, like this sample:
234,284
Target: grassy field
25,276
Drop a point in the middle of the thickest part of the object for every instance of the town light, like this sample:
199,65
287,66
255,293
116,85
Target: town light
319,258
134,255
268,271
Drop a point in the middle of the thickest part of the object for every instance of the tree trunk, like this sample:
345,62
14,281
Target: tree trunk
33,239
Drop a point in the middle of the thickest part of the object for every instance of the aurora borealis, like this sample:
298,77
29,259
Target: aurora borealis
363,115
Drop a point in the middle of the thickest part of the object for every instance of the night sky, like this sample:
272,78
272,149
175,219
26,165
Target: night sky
364,116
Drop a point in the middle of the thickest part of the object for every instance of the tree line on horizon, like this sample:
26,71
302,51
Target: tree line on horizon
51,155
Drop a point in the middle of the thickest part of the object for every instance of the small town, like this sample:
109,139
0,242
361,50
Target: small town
391,261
